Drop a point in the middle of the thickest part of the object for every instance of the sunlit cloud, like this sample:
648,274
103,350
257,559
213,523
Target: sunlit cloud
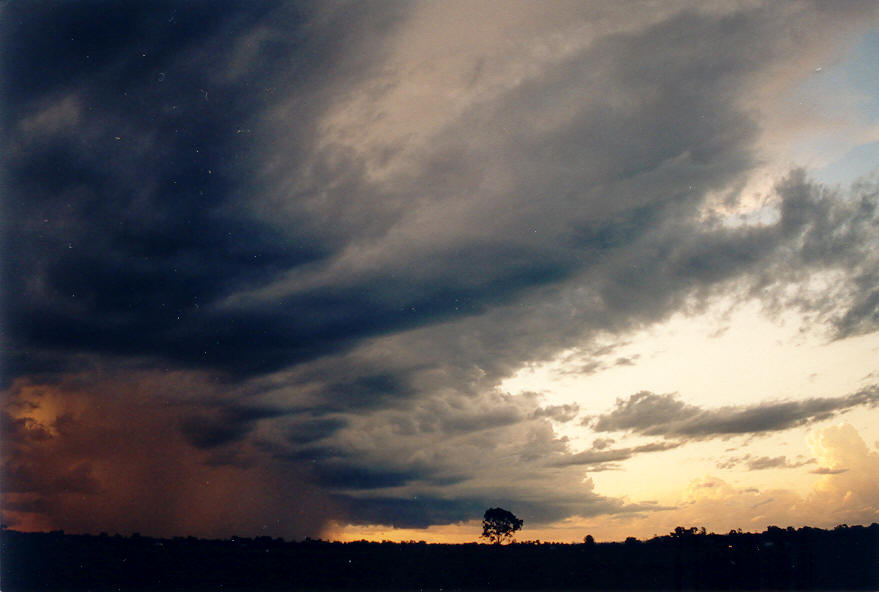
666,415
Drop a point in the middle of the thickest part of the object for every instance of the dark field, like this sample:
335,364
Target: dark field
845,558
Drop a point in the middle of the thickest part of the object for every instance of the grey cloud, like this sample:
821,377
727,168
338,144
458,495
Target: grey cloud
591,457
450,469
828,471
459,414
368,389
227,231
598,456
727,463
628,264
420,511
417,512
602,467
430,279
347,476
759,463
590,368
562,413
467,423
626,248
764,502
665,415
596,364
310,430
640,409
129,244
827,232
765,462
203,432
227,425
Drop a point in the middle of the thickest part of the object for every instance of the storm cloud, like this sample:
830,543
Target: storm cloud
319,237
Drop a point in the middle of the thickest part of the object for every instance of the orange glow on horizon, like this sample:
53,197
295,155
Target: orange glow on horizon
467,532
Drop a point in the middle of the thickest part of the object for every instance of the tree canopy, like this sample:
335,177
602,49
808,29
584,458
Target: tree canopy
498,525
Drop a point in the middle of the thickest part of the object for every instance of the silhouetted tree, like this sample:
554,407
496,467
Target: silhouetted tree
499,525
681,533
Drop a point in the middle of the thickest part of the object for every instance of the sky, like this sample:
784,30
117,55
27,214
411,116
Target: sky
365,270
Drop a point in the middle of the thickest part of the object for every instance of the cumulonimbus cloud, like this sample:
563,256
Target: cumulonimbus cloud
246,195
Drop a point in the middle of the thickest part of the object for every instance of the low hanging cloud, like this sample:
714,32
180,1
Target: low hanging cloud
666,415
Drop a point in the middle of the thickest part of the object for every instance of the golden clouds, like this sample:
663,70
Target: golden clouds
850,496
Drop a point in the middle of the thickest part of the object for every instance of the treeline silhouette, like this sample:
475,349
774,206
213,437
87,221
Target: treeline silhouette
687,558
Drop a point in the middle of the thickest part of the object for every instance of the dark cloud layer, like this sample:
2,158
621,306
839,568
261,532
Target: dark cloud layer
186,202
231,424
128,205
134,245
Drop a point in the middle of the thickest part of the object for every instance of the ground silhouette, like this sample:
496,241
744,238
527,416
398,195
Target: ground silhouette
844,558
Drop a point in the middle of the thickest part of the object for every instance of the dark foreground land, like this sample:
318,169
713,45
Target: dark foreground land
778,559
